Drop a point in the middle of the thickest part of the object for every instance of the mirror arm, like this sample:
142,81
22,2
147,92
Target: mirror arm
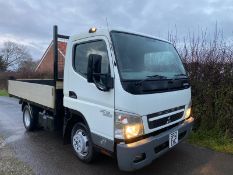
110,82
100,87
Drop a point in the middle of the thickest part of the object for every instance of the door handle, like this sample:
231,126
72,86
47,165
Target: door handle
72,94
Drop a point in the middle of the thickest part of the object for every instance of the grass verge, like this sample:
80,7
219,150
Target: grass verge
212,140
3,92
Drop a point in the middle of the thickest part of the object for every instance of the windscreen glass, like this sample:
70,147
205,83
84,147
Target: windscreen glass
139,57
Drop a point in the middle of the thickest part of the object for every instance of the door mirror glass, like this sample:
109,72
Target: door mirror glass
93,67
103,81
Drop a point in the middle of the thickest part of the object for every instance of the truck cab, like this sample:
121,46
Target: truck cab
126,94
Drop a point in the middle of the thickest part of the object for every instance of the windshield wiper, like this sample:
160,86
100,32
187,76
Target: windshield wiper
180,75
151,77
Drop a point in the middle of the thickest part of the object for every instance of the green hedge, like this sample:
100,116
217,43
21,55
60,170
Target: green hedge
210,68
213,107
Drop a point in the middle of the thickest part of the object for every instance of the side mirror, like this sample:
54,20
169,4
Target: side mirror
104,81
93,66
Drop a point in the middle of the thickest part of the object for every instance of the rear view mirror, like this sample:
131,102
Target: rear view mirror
93,67
103,82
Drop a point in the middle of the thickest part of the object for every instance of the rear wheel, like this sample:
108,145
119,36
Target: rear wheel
82,143
29,118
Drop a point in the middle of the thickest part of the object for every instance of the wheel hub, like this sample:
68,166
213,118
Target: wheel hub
27,118
80,143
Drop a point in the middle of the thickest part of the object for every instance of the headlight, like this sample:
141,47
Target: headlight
128,126
188,111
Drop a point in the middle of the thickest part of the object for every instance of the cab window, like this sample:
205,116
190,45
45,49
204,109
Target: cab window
82,52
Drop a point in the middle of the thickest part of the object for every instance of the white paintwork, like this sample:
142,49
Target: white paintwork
38,93
149,103
105,32
91,100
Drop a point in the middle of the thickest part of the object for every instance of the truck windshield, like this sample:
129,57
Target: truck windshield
142,58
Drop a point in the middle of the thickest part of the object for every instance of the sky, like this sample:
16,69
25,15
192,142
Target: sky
30,22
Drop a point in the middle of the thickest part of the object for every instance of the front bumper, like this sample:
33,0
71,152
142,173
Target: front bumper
151,147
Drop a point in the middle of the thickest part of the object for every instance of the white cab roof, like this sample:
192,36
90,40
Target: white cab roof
105,32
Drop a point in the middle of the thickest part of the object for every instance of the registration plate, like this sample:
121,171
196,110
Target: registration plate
173,139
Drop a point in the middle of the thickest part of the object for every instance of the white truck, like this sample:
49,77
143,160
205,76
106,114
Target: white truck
124,94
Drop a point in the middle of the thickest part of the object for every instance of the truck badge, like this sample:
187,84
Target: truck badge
168,120
106,113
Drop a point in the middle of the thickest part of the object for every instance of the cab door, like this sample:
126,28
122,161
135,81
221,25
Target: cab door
95,105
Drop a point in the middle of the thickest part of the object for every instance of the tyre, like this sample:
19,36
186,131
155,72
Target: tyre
82,143
29,118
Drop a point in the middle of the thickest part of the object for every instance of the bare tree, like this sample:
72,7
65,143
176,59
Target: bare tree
27,65
2,64
12,54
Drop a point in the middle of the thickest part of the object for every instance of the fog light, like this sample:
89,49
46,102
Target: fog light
139,157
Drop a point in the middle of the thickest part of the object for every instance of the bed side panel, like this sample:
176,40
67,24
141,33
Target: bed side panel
38,93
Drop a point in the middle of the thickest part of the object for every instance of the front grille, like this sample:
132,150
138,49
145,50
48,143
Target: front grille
165,120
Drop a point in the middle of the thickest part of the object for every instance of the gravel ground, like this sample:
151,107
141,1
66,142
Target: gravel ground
9,164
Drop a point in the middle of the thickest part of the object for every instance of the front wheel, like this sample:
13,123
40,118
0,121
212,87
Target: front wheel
82,143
